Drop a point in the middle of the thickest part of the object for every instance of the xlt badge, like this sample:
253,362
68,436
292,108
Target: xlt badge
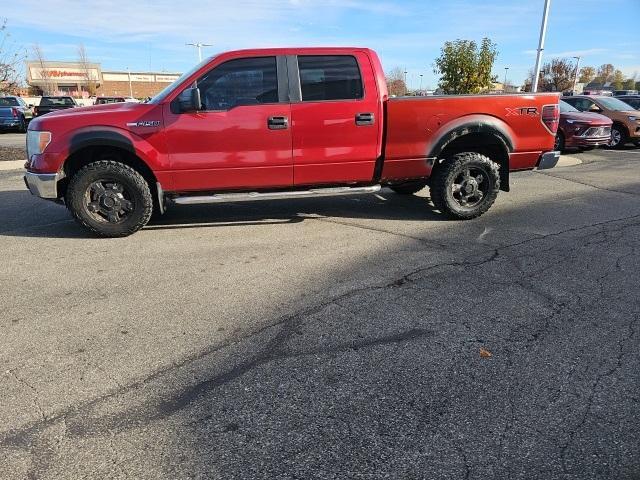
144,123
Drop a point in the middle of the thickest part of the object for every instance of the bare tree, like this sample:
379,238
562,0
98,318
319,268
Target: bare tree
47,84
395,82
555,76
85,65
11,60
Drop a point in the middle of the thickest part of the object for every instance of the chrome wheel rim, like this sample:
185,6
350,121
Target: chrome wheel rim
616,136
109,201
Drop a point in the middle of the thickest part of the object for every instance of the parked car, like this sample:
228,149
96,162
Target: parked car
103,100
284,123
618,93
626,120
15,114
581,129
52,104
632,100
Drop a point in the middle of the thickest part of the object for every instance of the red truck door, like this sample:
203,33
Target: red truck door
336,119
242,137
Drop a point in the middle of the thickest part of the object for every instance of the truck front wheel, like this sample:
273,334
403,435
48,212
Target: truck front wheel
109,199
465,186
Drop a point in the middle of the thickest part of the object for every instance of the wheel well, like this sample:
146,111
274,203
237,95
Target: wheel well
621,125
485,144
93,153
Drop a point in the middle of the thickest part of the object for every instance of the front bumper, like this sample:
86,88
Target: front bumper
43,185
12,123
548,160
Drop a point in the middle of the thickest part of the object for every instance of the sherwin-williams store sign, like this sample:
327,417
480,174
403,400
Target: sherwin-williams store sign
67,73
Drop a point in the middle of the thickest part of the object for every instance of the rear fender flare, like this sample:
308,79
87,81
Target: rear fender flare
462,126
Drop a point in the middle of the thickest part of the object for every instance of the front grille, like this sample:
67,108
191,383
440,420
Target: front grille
597,132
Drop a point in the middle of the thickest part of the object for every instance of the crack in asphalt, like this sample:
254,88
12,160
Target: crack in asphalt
593,390
36,401
613,190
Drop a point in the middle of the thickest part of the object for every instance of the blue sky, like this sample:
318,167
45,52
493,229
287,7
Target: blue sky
151,34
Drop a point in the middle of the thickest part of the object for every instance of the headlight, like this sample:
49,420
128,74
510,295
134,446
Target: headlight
632,118
37,142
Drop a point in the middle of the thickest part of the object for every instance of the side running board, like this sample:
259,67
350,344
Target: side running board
253,196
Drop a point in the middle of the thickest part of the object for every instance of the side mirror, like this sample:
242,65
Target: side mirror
189,100
595,109
30,105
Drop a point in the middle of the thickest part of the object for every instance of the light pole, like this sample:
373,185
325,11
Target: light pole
575,77
130,88
199,46
543,32
406,89
504,85
420,84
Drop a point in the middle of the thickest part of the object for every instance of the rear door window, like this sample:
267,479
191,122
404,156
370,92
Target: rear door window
8,102
56,101
329,77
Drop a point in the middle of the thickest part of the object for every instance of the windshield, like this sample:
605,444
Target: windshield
169,88
614,104
566,108
8,102
56,101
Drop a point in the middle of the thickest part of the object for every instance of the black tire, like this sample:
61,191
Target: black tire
456,179
22,128
559,142
408,188
619,136
109,198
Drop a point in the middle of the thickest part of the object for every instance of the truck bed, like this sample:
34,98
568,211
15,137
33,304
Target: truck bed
418,126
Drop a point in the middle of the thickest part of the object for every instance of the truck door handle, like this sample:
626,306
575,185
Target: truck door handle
365,119
278,123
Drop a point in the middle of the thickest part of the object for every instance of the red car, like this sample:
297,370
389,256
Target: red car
284,123
581,129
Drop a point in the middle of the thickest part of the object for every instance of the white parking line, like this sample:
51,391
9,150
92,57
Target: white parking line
12,165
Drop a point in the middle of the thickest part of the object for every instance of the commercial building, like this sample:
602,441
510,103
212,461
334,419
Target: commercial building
82,80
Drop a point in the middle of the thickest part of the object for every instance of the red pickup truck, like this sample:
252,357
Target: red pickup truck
284,123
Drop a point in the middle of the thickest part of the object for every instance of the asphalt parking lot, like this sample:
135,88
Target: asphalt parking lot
358,337
11,139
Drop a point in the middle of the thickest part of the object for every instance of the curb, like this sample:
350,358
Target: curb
12,165
568,161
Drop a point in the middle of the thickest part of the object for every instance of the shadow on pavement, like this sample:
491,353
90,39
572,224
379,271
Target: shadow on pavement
26,216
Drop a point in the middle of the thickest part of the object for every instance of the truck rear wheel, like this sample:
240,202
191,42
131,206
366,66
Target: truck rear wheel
109,199
465,186
408,188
